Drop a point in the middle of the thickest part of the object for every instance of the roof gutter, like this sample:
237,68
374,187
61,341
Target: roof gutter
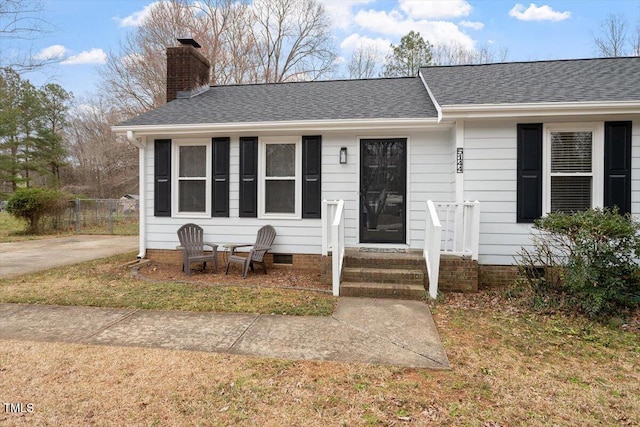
142,185
480,111
298,126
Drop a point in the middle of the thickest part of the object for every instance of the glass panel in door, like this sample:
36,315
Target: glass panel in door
383,190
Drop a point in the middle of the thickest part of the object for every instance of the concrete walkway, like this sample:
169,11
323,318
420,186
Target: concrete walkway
362,330
29,256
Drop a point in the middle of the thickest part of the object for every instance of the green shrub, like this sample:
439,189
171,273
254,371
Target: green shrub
33,204
585,261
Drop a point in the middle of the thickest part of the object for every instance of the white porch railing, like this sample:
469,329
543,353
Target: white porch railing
333,238
451,228
432,233
460,228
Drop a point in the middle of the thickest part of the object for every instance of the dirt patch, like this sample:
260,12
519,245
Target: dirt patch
278,277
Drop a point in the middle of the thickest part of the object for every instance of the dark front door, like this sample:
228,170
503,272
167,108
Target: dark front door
383,178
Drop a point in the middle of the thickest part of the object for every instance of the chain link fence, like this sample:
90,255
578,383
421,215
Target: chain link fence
99,216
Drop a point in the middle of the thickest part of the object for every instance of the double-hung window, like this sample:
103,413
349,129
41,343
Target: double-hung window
573,167
192,178
280,186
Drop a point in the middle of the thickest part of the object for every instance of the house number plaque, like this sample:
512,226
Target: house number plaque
460,159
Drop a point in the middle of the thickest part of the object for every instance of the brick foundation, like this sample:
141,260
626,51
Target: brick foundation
497,276
308,262
458,274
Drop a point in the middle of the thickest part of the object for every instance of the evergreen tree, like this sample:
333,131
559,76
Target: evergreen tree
406,59
54,108
31,125
9,129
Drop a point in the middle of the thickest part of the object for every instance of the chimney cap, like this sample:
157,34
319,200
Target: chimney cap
189,42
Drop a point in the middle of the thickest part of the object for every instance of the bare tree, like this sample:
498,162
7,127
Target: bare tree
102,165
635,40
136,78
612,39
269,41
455,54
293,40
365,62
241,53
227,40
20,20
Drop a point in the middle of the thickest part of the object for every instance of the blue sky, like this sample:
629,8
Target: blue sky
82,32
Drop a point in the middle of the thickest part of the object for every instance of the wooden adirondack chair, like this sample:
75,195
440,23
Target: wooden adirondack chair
191,243
264,240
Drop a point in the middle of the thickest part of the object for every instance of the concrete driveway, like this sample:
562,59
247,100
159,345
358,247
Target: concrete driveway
29,256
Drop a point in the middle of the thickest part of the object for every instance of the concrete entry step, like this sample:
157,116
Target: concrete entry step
383,290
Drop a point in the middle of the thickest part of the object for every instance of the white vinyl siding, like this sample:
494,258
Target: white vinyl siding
490,176
431,170
490,153
490,149
430,176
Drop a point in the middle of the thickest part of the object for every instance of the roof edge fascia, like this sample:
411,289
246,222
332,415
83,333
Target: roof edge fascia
433,98
471,111
307,125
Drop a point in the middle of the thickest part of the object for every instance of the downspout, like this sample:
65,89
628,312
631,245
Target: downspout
142,184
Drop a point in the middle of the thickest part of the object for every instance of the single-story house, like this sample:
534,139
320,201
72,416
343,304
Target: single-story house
521,138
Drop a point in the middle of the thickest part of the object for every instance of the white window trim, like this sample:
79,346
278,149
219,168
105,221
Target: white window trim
597,160
262,166
175,179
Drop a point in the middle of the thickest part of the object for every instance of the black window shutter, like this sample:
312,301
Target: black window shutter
617,165
529,187
311,176
248,177
220,176
162,177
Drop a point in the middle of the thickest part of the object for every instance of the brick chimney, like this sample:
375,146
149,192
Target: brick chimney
187,69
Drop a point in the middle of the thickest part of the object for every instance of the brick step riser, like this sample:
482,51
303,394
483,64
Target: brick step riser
352,290
399,277
405,264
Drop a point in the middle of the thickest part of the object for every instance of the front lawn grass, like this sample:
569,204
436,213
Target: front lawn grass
509,367
106,283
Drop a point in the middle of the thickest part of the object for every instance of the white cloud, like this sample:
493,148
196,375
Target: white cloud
341,12
93,56
380,21
472,25
435,9
537,13
355,41
56,51
393,23
137,17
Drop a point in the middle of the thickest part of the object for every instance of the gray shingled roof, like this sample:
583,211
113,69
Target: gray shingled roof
581,80
321,100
